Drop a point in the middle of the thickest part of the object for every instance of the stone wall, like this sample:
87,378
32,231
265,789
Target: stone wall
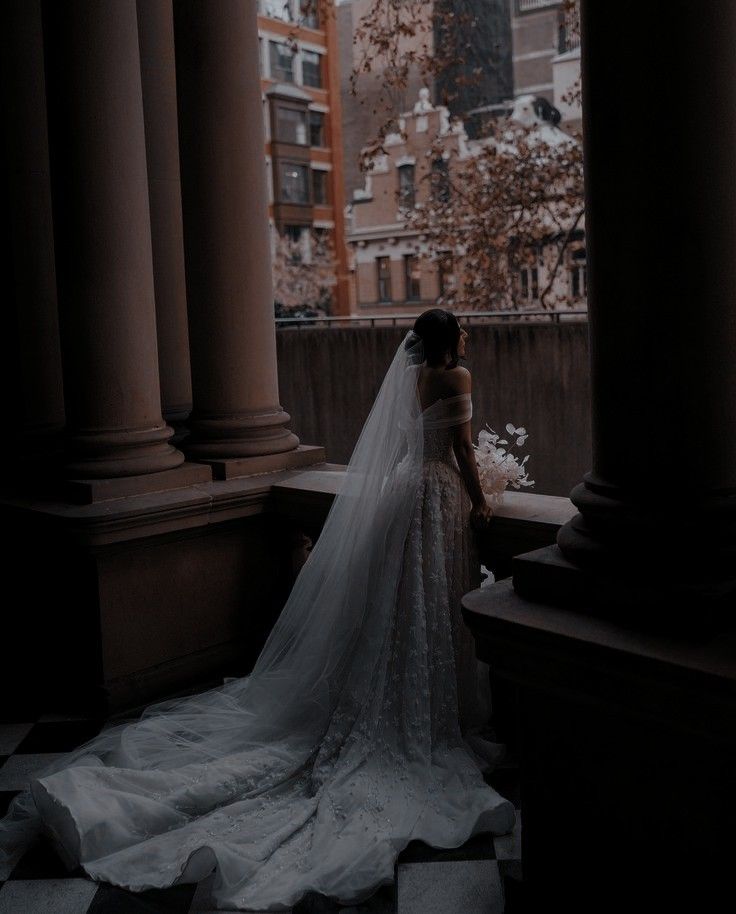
535,375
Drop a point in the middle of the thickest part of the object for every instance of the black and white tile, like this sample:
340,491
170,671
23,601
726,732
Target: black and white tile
480,876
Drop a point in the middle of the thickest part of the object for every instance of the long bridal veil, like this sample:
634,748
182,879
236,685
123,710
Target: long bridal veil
324,649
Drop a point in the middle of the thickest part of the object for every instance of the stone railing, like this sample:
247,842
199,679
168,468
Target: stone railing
229,550
523,523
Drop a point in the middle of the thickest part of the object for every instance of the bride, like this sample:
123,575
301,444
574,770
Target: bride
359,728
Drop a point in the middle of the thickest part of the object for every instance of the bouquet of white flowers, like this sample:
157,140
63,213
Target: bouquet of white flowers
497,466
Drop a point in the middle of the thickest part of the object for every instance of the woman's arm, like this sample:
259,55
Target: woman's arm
462,445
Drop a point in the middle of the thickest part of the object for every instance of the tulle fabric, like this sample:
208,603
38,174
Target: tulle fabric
344,743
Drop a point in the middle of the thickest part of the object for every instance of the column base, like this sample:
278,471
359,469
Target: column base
121,453
241,436
234,467
645,597
168,590
90,491
625,746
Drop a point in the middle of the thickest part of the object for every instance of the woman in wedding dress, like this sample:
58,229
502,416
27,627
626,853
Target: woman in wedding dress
359,728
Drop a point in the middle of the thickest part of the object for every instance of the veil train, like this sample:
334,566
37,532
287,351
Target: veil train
178,783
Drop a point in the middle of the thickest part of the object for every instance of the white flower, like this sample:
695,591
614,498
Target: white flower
498,468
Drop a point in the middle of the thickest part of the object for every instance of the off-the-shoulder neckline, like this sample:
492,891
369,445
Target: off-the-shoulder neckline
439,400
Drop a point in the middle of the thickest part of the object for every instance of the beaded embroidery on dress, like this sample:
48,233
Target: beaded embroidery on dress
352,736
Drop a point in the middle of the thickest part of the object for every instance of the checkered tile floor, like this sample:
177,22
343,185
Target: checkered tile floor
481,876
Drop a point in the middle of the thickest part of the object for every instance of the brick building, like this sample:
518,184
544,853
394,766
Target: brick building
389,272
526,50
393,269
486,52
302,113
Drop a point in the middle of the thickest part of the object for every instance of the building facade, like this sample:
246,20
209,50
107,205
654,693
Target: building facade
532,52
302,117
482,76
394,270
391,268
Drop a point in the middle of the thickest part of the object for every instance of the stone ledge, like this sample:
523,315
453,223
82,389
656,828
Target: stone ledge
89,491
305,495
649,674
522,523
629,732
239,467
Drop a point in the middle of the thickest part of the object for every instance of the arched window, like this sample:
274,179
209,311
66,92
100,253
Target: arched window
412,278
406,186
383,268
440,180
445,275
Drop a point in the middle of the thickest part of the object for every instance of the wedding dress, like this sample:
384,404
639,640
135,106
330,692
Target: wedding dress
357,729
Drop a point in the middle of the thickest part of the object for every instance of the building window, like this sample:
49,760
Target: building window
276,9
282,62
445,274
383,265
316,128
440,180
319,186
291,125
312,69
309,13
529,284
578,274
411,277
294,182
406,187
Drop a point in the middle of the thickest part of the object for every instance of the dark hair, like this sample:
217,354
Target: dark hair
440,331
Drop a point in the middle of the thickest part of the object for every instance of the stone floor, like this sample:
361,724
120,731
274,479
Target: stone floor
481,877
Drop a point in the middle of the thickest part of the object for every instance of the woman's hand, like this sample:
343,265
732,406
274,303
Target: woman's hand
480,515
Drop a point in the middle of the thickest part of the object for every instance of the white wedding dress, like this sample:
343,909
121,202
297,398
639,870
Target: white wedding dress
353,735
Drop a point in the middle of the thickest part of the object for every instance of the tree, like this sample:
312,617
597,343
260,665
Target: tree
508,209
303,272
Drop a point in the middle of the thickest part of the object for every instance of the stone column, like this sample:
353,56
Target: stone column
158,75
103,242
619,718
31,356
237,423
658,508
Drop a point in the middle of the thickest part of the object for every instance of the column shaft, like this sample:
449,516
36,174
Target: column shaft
103,241
661,232
31,360
232,333
158,74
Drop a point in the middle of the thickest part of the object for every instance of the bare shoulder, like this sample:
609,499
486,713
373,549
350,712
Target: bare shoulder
459,379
